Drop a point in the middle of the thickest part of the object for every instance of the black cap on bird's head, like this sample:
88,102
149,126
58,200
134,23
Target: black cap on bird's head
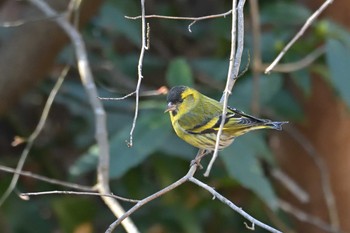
174,97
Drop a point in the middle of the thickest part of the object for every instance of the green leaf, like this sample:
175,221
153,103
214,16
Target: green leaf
86,163
242,164
179,73
338,59
338,32
151,132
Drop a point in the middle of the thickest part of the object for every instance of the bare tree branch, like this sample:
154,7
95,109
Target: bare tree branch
307,24
227,202
304,217
47,180
323,171
120,98
139,71
77,193
234,65
298,65
144,201
290,185
20,22
99,112
34,135
194,19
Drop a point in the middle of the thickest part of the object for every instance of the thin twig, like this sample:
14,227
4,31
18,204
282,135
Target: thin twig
252,227
47,180
21,22
276,219
323,171
139,71
234,65
307,24
148,37
181,18
290,185
163,90
73,8
240,44
298,65
160,91
78,193
101,134
118,98
305,217
35,134
232,205
194,19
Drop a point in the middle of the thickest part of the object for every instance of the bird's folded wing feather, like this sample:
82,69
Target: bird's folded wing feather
234,118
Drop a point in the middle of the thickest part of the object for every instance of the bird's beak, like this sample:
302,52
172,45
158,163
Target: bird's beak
171,107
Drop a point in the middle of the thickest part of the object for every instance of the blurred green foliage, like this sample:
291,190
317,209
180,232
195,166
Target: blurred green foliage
158,157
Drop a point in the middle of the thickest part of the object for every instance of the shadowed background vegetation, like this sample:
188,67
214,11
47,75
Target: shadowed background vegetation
314,100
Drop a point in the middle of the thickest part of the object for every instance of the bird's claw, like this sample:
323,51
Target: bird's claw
196,162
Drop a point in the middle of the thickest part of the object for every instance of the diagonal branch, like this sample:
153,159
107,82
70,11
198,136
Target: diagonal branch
324,174
34,135
307,24
144,201
297,65
233,206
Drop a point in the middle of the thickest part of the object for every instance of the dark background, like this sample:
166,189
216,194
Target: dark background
314,100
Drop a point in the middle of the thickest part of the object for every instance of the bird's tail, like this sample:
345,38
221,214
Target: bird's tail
275,124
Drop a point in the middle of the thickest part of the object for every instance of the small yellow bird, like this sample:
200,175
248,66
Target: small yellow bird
196,119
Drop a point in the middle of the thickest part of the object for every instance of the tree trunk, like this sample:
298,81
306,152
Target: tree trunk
327,127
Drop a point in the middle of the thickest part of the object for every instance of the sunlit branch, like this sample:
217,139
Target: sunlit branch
139,71
77,193
234,65
194,19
